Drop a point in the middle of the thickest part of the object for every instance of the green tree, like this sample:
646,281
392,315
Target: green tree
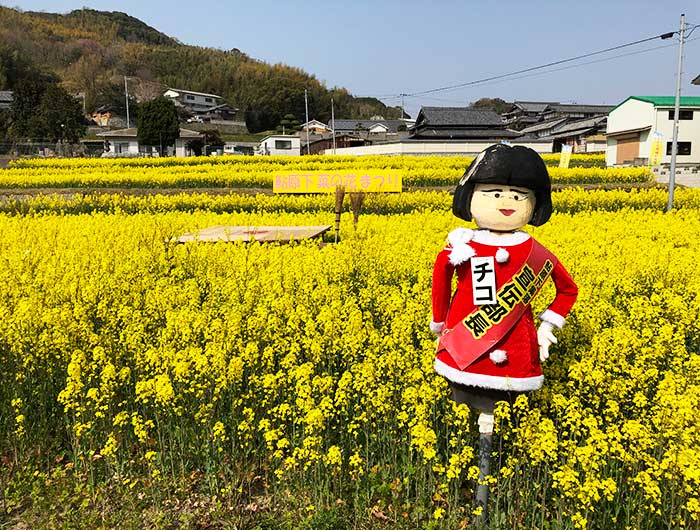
289,124
213,138
111,95
196,146
45,111
59,117
496,104
261,119
28,91
158,123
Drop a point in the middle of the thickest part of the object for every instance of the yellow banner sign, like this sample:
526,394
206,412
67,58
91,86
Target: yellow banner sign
657,150
565,157
369,180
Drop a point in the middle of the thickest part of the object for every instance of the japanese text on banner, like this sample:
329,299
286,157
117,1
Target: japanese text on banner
656,152
371,180
565,157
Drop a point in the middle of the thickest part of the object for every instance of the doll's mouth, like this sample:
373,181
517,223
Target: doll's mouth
507,212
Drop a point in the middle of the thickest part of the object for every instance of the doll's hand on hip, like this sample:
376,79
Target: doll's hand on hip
436,327
545,338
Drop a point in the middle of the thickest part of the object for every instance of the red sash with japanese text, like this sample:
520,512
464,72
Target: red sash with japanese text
484,327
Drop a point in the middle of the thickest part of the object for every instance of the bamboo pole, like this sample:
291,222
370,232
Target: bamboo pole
339,197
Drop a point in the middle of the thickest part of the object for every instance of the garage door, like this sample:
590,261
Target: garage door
627,148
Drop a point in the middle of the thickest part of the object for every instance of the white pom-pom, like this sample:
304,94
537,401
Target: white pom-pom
461,253
498,356
502,255
460,235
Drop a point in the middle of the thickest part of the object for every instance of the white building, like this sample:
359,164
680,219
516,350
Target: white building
633,124
280,144
197,101
124,142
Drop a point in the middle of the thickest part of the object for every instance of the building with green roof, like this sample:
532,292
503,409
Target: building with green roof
634,123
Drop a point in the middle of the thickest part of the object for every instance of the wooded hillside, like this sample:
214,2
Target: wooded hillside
90,51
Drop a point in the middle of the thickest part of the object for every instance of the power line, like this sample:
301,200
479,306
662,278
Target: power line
486,83
438,99
553,63
498,78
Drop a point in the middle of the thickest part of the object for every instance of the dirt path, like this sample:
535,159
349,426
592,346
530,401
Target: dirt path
28,193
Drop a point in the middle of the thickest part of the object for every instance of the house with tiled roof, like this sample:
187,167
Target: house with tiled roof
451,131
460,123
633,124
544,128
576,111
587,135
525,114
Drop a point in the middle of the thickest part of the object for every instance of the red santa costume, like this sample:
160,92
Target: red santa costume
513,363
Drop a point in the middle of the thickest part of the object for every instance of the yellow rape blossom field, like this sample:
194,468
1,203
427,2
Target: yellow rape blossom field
258,172
147,384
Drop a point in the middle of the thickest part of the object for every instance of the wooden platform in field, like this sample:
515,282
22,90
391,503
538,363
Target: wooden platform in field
254,233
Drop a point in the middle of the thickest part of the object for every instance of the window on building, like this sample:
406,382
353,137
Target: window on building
683,148
208,100
682,114
283,144
190,97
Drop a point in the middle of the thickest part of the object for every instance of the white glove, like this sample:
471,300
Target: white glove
545,338
436,327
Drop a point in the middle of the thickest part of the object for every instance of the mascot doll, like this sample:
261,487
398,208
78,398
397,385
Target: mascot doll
488,348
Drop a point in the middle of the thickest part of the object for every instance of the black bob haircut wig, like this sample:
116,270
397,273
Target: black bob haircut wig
509,166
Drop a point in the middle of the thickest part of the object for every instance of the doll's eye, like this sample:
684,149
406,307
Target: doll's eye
497,195
516,197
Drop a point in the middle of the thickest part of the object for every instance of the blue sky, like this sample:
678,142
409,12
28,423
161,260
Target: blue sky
388,47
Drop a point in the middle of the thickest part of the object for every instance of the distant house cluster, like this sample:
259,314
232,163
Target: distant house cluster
542,126
625,132
198,111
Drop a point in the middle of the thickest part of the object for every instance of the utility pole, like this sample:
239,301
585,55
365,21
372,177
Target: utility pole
333,123
126,95
306,104
676,117
401,117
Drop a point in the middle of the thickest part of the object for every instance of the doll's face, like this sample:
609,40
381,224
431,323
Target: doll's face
502,208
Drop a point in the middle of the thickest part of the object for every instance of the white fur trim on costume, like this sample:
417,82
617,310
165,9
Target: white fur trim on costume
436,327
488,381
498,356
502,255
459,238
553,318
486,237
